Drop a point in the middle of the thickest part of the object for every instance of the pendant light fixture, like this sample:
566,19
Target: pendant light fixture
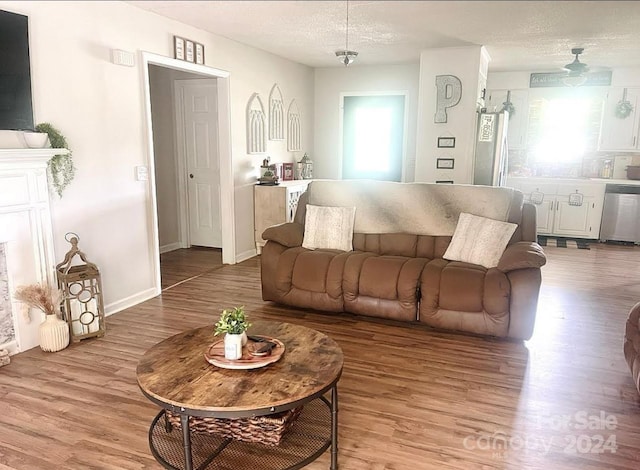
346,56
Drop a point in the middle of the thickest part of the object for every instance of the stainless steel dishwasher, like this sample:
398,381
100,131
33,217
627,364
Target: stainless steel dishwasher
621,213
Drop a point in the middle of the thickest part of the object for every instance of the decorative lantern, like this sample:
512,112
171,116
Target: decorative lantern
82,290
306,167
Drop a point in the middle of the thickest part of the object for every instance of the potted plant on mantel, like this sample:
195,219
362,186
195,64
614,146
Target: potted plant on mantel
234,323
61,169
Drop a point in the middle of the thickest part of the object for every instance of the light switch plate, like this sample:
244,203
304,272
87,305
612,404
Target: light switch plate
142,173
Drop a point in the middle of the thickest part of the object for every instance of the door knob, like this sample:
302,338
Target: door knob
191,175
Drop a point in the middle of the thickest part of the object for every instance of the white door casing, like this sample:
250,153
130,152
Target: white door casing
198,144
227,205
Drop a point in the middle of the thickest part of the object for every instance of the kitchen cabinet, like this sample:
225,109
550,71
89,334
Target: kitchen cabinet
616,133
518,121
275,205
565,209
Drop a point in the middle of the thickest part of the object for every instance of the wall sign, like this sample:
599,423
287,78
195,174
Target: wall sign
188,50
446,142
445,163
449,92
554,79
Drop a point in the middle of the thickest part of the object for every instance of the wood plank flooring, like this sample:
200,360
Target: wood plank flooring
179,265
410,397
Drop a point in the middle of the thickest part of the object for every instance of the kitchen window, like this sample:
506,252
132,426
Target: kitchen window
563,130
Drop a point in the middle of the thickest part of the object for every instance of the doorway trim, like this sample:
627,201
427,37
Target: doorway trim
227,210
404,93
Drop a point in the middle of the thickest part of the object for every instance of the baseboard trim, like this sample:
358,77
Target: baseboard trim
130,301
245,255
170,247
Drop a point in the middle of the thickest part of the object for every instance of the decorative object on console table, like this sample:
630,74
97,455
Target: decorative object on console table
287,171
306,171
82,290
234,323
53,332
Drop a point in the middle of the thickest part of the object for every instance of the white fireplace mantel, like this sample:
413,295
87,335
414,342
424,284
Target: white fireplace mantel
26,232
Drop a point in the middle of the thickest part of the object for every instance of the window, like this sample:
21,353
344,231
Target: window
373,137
562,130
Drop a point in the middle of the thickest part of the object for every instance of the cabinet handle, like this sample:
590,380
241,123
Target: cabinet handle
634,141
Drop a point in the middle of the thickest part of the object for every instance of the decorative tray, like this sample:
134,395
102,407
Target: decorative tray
215,355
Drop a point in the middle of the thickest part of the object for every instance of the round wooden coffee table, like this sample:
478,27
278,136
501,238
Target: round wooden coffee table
175,375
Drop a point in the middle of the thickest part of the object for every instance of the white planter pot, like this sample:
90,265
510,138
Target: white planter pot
36,140
54,334
232,347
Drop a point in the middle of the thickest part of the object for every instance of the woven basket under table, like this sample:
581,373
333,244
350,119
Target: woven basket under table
266,430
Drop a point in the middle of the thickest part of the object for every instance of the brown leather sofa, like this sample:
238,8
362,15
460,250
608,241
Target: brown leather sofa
396,269
632,344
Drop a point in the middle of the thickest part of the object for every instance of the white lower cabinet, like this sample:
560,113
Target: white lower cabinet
565,209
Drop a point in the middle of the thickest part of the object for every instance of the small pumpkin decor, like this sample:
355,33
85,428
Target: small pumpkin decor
624,108
234,323
53,331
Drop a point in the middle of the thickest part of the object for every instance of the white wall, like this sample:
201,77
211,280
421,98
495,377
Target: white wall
464,63
331,82
100,108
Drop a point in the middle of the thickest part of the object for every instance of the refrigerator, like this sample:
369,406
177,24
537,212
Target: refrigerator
491,153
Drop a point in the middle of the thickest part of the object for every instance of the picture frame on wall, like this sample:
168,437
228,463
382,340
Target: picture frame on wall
445,163
189,51
199,53
287,171
446,142
178,47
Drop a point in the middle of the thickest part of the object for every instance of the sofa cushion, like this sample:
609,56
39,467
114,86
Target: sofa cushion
479,240
382,286
329,228
465,297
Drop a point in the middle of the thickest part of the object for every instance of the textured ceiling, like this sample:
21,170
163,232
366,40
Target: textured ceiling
518,35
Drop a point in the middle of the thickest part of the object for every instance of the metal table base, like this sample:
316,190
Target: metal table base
315,430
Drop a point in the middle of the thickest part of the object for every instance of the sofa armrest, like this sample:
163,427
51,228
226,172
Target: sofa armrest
522,255
289,234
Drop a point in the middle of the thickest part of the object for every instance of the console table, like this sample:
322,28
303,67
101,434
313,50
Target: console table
174,375
275,205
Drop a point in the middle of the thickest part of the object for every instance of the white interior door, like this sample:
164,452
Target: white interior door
200,114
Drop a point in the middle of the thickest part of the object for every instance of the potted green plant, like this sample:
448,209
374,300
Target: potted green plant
234,323
61,169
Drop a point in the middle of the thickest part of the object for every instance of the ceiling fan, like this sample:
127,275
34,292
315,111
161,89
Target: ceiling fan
576,70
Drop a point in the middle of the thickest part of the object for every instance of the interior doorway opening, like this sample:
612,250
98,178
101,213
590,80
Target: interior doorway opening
188,122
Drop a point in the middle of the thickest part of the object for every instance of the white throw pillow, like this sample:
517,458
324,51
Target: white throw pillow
479,240
329,227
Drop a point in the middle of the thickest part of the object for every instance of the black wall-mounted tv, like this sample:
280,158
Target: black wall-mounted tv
16,110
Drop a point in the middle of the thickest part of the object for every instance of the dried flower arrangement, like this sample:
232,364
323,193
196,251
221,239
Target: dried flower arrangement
40,296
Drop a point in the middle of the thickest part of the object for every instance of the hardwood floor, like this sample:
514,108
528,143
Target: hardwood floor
410,397
180,265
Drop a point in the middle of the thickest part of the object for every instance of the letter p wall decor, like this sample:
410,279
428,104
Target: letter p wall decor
449,92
